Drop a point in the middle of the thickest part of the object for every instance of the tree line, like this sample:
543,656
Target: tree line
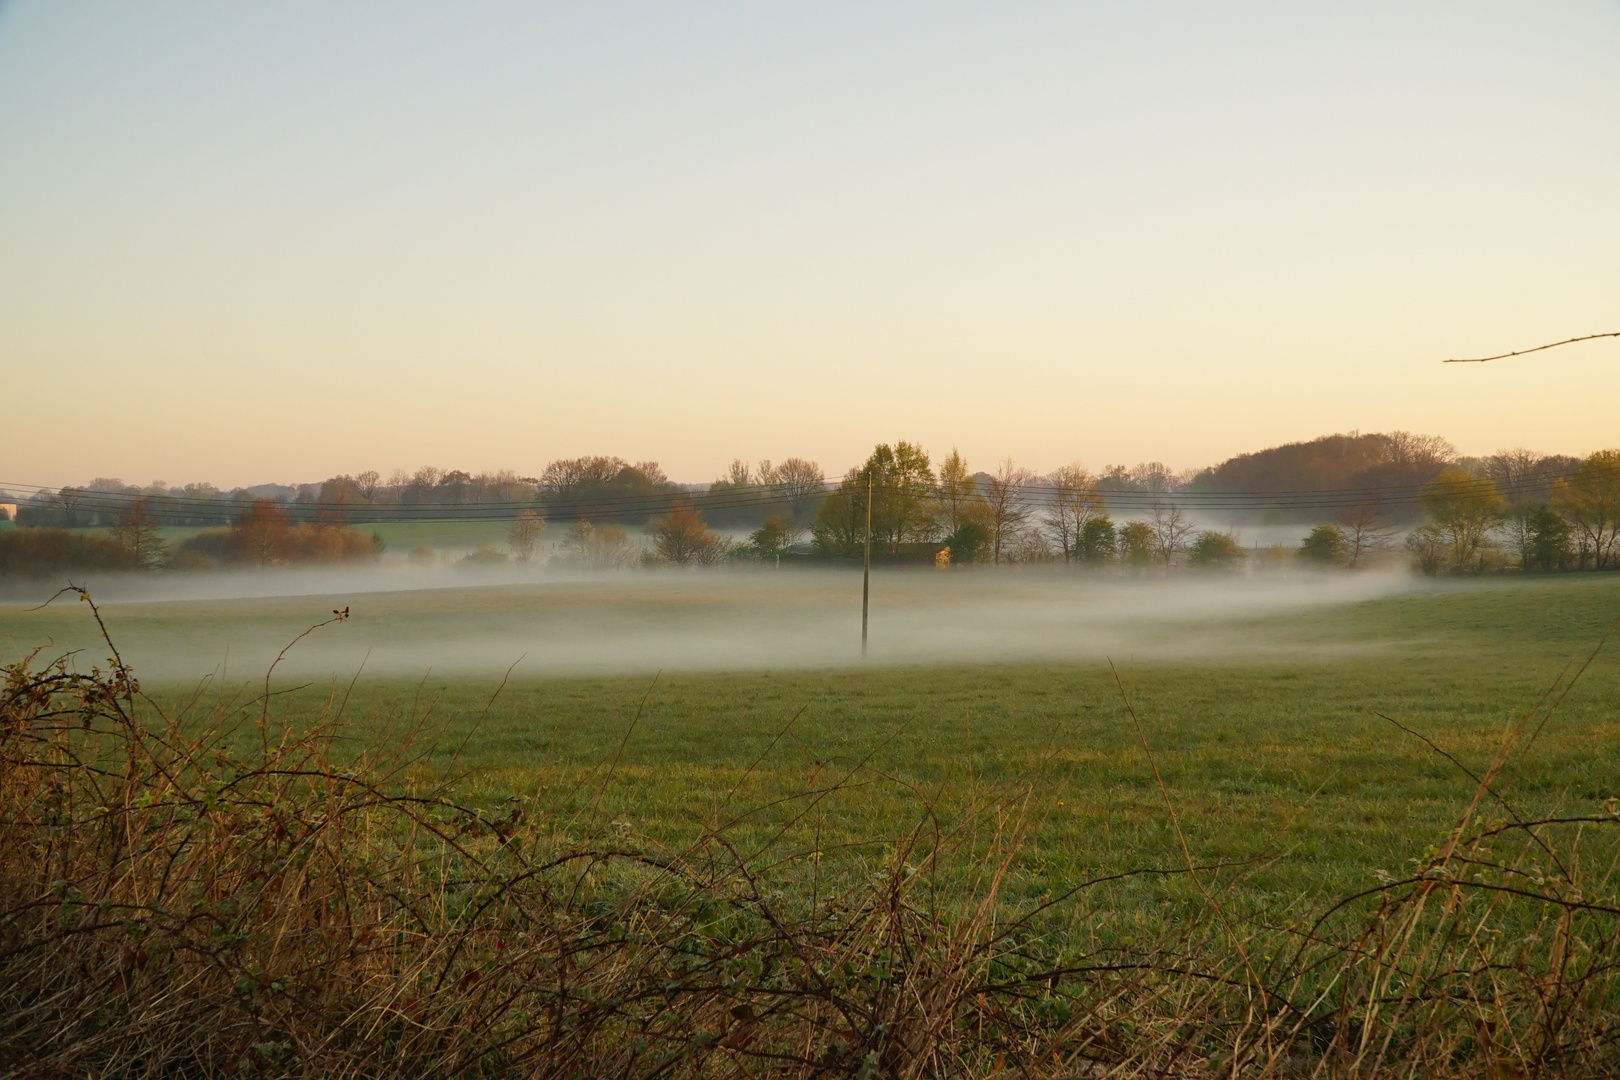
1473,528
1512,509
263,534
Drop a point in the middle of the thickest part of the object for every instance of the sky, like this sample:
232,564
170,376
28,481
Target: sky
245,243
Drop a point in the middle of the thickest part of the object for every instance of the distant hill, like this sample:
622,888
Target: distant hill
1394,464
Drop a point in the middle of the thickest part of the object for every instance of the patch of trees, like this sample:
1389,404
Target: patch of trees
265,535
1515,510
36,552
1010,516
262,535
1370,486
1472,527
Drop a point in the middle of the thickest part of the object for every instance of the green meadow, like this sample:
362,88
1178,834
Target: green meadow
1281,771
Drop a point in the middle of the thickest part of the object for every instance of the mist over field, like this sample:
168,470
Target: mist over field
408,623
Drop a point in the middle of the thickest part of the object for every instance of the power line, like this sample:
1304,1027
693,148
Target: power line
1035,496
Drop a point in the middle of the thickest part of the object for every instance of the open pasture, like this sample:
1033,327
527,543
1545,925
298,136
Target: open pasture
1261,707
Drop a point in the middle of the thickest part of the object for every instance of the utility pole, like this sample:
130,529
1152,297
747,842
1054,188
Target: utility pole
866,574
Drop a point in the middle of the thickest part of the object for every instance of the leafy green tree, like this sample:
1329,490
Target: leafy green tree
1326,546
1215,551
1135,541
968,543
955,493
1549,543
1096,542
1465,509
902,494
771,538
840,525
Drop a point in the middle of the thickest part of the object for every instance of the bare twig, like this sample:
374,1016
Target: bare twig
1538,348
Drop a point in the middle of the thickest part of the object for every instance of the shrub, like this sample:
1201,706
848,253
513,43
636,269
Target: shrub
769,540
1428,547
1095,543
1216,551
203,549
1550,541
683,538
483,555
1135,543
1325,546
262,535
26,551
967,544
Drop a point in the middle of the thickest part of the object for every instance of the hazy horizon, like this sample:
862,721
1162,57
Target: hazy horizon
546,624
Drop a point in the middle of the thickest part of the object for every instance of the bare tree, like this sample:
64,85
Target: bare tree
1405,448
1153,476
1032,546
1075,501
1004,497
653,471
1170,531
138,534
799,483
366,484
597,547
1366,529
524,533
1512,467
568,477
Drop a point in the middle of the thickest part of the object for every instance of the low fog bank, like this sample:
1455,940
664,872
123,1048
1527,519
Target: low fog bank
294,581
694,621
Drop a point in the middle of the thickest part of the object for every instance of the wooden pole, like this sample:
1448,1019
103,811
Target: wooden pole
866,574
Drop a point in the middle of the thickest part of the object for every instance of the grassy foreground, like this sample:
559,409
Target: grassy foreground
1210,870
1290,764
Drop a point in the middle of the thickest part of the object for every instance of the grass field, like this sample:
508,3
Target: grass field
1279,762
923,864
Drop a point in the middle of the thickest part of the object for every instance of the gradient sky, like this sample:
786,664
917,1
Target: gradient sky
253,242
